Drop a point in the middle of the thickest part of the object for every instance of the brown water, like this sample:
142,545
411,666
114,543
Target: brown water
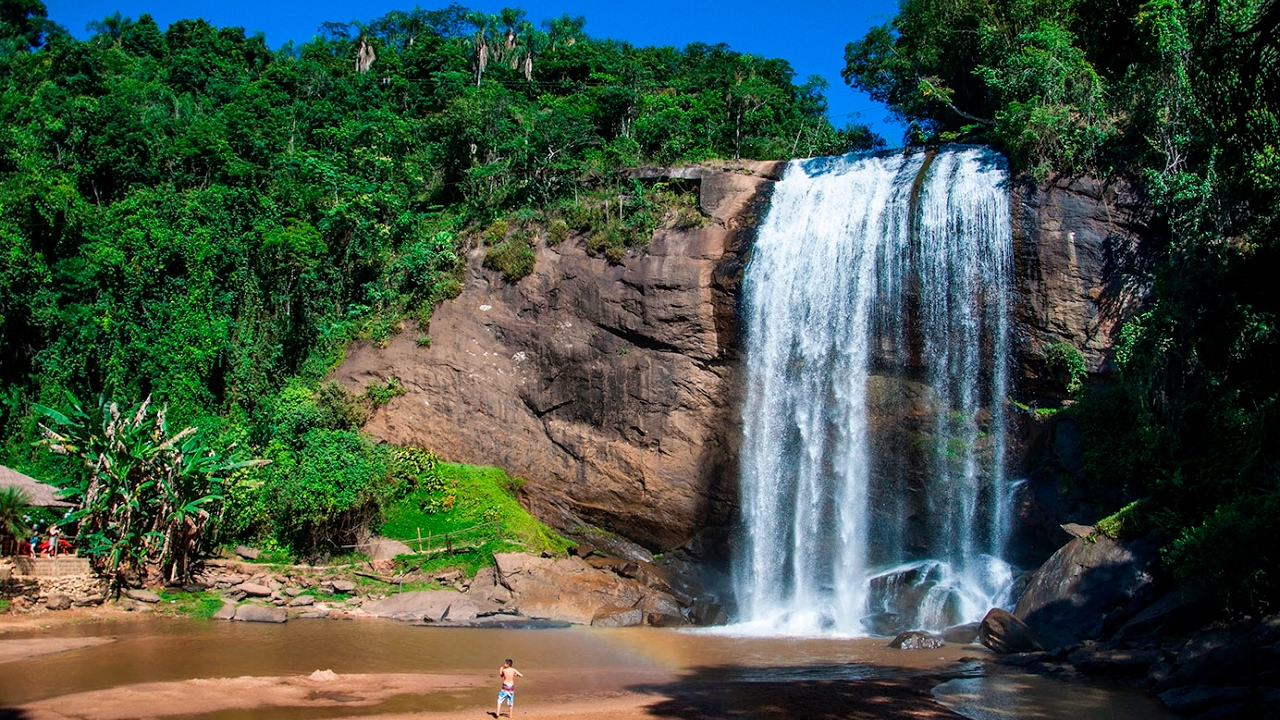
555,662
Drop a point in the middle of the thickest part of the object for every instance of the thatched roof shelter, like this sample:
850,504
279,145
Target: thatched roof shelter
40,494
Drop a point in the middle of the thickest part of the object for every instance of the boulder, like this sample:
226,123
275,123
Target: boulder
613,616
248,553
706,611
343,586
88,600
419,605
1176,612
566,589
380,548
661,610
582,550
302,601
1102,660
260,613
1247,650
226,612
140,595
58,602
961,634
916,640
1087,589
1005,634
293,591
253,589
883,624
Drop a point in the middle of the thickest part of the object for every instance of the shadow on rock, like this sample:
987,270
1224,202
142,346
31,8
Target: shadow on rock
813,692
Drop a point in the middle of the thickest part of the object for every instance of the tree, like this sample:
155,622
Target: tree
146,495
14,507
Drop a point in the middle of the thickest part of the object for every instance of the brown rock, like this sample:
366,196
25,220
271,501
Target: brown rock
612,389
248,553
613,616
253,589
145,596
1006,634
566,590
58,602
260,613
343,586
1087,586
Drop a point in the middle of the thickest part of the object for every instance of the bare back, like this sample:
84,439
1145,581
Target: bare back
509,675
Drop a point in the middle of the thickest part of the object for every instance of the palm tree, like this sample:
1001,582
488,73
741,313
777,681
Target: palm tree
479,41
14,506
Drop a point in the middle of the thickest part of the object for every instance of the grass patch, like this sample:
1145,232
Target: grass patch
4,606
201,604
467,496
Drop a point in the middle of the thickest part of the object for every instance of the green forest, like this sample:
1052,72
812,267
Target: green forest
191,216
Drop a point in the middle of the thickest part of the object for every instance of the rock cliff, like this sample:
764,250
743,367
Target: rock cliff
612,389
1082,253
1080,266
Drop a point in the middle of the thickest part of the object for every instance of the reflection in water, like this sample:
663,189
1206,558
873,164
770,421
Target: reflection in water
1008,696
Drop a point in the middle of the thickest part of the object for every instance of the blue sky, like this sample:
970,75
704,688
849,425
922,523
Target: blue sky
811,34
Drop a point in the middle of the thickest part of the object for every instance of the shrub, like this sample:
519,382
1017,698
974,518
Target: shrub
1065,360
423,341
1233,553
381,394
513,258
496,232
321,496
557,232
339,408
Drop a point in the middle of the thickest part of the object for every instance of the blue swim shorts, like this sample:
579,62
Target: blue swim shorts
508,695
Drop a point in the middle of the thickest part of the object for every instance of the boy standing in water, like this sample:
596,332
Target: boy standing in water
508,691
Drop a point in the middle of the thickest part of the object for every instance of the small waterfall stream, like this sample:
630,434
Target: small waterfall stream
877,330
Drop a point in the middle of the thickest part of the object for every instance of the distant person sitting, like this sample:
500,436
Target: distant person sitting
508,691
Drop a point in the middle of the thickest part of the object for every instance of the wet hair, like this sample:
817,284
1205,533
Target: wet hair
508,661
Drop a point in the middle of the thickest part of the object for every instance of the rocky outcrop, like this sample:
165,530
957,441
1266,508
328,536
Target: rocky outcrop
1006,634
1089,588
1081,269
612,389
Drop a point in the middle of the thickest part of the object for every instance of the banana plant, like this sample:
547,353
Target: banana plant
146,495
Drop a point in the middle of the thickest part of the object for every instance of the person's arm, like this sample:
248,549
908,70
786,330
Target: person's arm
518,673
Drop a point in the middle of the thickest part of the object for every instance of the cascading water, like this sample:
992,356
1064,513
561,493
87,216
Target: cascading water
877,332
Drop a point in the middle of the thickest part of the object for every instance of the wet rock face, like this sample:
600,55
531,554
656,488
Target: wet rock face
612,389
1081,267
1082,256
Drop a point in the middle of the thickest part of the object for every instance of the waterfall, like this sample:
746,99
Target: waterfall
877,331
